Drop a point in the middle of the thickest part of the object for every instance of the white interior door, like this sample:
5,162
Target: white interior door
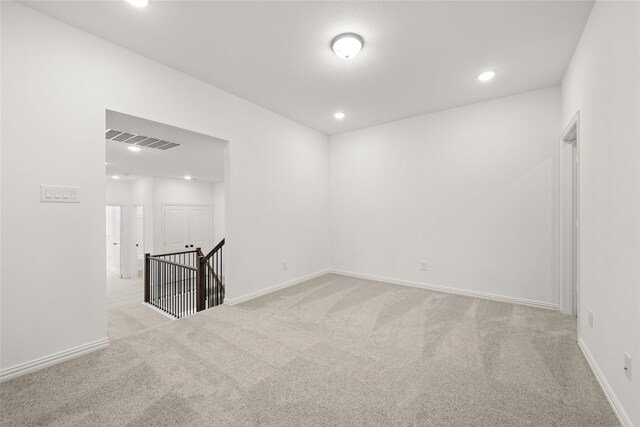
187,227
200,228
138,224
176,228
113,222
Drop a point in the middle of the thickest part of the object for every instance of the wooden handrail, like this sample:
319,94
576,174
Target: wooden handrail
214,250
190,267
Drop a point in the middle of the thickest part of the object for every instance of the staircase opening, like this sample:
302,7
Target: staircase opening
183,283
168,185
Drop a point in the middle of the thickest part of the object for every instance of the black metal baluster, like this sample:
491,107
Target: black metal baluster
220,276
216,278
173,292
158,286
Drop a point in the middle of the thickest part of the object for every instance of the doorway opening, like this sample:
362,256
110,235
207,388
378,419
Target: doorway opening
138,237
569,218
169,186
114,233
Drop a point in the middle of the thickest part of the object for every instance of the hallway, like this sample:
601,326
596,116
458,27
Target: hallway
125,311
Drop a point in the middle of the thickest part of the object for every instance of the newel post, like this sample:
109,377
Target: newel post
147,277
200,278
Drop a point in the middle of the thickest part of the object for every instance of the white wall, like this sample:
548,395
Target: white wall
467,190
142,195
57,82
603,83
218,212
118,192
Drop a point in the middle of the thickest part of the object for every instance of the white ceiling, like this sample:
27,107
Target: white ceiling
418,57
199,156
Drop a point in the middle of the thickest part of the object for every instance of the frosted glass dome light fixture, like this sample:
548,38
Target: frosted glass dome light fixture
347,45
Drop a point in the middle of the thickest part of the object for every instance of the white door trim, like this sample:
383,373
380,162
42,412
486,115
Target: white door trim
569,148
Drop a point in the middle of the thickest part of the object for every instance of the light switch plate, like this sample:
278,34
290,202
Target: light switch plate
59,194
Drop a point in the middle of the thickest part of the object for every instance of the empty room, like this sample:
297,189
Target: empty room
319,213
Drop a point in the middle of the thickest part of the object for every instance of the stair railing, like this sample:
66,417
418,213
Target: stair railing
183,283
213,276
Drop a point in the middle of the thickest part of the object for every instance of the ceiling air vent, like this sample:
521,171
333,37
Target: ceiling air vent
144,141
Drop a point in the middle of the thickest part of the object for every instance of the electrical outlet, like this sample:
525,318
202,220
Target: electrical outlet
590,318
423,266
284,265
627,365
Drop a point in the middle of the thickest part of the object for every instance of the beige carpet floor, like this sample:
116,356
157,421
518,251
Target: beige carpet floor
330,351
126,314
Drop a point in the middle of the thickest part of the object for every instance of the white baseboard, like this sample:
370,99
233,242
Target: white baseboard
446,289
247,297
623,418
53,359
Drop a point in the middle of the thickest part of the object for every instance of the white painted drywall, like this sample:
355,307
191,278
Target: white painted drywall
218,212
142,195
57,82
118,192
603,83
469,191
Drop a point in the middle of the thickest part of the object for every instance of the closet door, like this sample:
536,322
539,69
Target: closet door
187,227
176,228
200,228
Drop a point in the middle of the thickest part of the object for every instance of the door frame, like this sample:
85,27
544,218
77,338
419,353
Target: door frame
165,204
121,209
134,232
569,224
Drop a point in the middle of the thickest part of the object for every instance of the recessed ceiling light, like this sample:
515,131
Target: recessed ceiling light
106,163
134,148
347,45
187,177
140,3
339,115
115,177
486,76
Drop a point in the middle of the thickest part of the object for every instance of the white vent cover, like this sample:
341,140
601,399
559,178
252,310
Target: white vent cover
144,141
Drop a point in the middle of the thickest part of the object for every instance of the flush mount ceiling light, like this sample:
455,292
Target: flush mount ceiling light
115,177
347,45
486,76
134,148
339,115
187,177
139,3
